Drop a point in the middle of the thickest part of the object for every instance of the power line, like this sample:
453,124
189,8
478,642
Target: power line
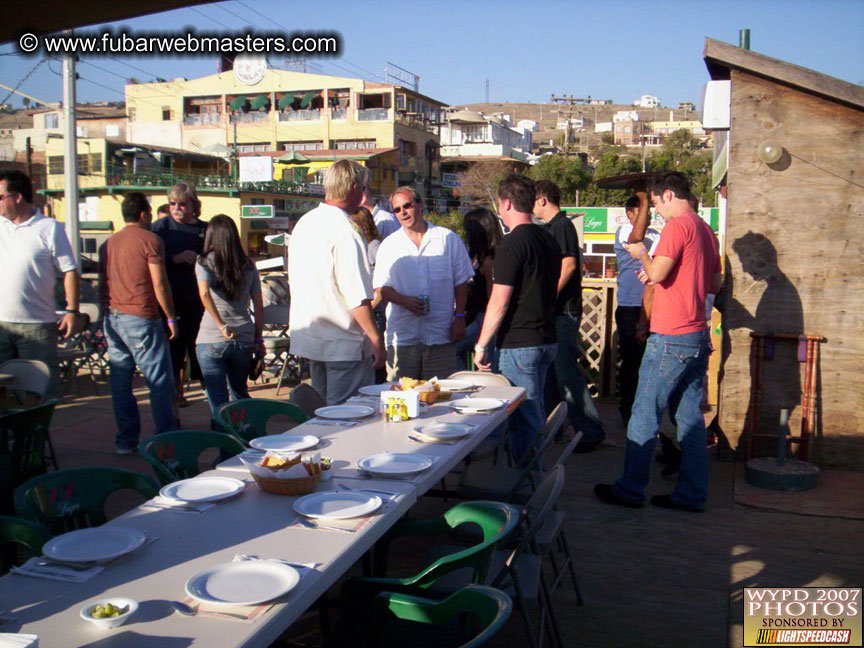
26,76
201,13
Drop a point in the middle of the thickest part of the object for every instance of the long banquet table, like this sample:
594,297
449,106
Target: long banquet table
252,523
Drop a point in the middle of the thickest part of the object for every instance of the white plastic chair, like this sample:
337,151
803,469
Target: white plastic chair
34,377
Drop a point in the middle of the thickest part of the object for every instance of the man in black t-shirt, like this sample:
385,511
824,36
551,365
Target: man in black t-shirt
521,308
566,380
183,234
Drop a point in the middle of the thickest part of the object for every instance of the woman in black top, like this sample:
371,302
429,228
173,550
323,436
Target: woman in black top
483,234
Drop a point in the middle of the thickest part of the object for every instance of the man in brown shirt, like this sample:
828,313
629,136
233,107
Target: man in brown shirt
133,286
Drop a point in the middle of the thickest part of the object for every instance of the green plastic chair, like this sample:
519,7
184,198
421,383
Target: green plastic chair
174,455
17,531
495,519
467,618
23,435
247,418
75,498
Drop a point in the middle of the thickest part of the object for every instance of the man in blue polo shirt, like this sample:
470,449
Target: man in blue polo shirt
630,291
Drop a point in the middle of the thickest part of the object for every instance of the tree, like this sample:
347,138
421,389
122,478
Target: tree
26,102
479,184
569,173
683,152
611,162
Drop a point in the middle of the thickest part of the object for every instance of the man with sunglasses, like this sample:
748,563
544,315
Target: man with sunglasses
34,251
422,271
182,232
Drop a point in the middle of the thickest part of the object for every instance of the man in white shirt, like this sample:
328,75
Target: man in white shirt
422,259
34,251
331,318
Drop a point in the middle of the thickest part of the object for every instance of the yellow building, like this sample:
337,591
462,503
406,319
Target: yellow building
270,110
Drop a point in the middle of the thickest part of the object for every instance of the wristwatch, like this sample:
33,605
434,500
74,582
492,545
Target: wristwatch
73,311
479,347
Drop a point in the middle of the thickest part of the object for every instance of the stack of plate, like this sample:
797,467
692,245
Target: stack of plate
337,505
247,582
344,412
394,465
477,405
94,544
444,431
285,442
202,489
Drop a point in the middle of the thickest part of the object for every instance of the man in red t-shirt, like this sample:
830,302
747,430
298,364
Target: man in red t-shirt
685,268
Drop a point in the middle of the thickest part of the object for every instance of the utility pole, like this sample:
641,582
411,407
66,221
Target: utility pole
70,138
487,91
570,101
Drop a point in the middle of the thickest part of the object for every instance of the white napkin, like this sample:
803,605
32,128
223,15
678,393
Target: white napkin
39,567
332,422
18,640
177,506
302,568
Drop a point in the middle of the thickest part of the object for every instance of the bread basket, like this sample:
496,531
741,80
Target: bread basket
299,486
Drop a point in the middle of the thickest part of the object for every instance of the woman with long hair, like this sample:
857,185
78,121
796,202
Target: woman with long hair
369,231
227,282
483,234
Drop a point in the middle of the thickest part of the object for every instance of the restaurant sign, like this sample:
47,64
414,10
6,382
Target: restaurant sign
256,211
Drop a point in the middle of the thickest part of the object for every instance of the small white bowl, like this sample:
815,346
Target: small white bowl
110,622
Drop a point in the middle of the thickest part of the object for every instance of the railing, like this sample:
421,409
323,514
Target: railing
202,119
250,117
599,337
300,115
277,186
338,113
415,121
373,114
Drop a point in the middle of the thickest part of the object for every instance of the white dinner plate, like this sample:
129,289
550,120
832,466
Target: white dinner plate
285,442
389,464
97,543
457,385
344,412
445,430
337,505
203,489
470,405
246,582
375,390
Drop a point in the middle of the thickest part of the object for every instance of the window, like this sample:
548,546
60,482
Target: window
83,164
302,146
132,114
400,101
343,145
253,148
55,165
166,113
95,163
81,131
258,201
112,130
52,120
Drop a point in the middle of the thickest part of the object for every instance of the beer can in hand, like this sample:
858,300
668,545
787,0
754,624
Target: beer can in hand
425,300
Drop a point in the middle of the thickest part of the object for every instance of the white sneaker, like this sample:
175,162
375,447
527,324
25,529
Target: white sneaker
124,451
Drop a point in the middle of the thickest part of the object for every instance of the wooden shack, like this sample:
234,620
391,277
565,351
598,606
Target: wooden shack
794,245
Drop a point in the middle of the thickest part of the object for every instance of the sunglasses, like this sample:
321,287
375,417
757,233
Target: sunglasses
397,210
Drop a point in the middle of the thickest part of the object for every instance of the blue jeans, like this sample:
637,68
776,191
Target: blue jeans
136,341
672,364
225,363
567,382
527,367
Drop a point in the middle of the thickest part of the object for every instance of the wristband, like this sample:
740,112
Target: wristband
479,347
259,340
462,315
73,311
172,321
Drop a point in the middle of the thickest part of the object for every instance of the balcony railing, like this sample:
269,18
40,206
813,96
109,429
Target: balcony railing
250,117
372,114
119,176
201,119
300,115
338,113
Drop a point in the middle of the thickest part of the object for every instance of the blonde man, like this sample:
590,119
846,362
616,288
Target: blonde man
331,318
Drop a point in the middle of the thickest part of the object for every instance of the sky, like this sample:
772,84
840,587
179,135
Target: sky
610,49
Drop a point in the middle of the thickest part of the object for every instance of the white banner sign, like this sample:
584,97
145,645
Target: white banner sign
257,168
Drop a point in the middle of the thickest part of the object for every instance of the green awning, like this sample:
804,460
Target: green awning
237,103
293,157
285,101
307,99
277,239
259,102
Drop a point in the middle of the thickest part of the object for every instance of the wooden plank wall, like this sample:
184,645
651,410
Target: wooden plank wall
808,208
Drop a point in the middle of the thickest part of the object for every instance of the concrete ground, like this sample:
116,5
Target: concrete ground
650,577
